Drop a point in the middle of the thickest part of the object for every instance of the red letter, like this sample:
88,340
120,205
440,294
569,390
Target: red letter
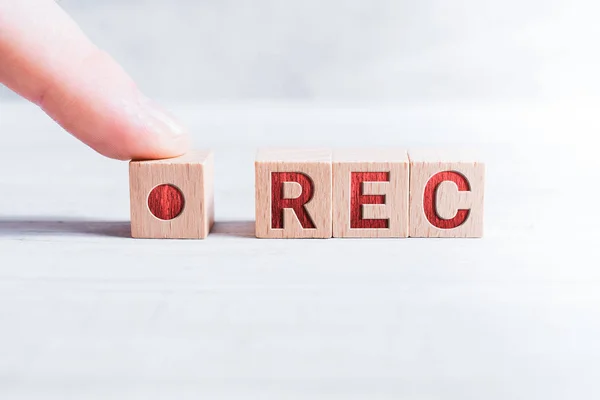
357,199
278,203
430,196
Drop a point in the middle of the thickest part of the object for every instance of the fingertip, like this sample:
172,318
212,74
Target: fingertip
141,130
168,148
163,146
102,107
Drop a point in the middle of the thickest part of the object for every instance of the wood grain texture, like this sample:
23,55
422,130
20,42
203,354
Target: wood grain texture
446,193
370,193
305,173
154,206
166,202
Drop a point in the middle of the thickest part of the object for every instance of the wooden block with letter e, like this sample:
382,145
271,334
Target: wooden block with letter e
293,193
370,193
446,194
172,198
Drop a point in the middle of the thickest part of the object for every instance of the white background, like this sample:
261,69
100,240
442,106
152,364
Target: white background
86,312
349,50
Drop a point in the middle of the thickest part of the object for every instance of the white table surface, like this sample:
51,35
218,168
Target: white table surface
87,312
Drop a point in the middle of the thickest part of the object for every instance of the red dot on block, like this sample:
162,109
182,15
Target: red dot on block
165,202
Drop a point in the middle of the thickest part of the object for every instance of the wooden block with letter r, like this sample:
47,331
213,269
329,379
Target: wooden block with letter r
370,193
293,193
172,198
446,193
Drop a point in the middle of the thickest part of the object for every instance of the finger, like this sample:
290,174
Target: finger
46,58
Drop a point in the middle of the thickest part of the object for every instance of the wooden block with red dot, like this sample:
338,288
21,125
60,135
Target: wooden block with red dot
172,198
446,194
293,193
370,193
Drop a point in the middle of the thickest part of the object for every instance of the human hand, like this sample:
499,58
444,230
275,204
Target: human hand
47,59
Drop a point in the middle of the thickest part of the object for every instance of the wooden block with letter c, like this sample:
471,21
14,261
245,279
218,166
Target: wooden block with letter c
293,193
446,194
370,193
172,198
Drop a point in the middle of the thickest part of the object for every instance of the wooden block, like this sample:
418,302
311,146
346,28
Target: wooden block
293,193
370,193
446,194
172,198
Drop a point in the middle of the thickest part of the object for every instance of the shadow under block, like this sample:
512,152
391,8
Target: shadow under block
370,193
446,194
293,193
172,198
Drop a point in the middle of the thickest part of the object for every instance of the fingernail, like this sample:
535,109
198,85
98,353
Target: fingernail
159,121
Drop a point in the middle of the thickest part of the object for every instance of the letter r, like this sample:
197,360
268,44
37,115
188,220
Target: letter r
279,203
